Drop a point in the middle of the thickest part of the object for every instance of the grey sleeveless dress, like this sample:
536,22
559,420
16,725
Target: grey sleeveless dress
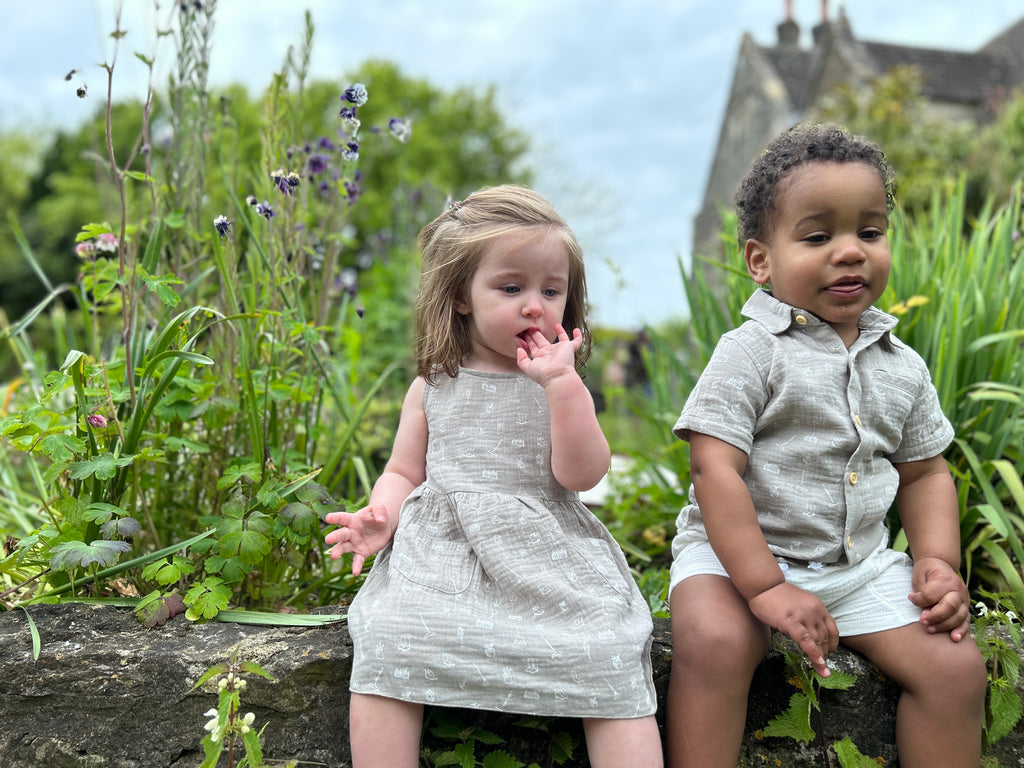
500,590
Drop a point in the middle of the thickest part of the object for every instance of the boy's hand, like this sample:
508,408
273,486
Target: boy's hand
543,361
803,617
942,595
362,533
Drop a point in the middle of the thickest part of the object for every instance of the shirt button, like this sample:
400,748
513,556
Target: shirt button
801,320
853,478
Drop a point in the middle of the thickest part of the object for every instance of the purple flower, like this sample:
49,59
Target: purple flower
356,94
400,129
347,113
285,182
317,164
264,210
352,190
360,311
223,225
350,153
325,144
96,421
251,200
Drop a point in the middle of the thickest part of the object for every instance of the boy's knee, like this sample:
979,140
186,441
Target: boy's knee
718,644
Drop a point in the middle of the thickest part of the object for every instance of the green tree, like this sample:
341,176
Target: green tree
930,153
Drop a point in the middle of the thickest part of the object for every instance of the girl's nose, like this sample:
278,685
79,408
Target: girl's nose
532,307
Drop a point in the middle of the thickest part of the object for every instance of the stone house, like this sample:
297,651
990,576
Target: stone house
775,86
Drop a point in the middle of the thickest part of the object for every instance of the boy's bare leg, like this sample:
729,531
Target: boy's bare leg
384,733
615,743
716,647
939,717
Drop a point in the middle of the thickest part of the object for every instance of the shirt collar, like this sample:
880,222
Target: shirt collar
777,317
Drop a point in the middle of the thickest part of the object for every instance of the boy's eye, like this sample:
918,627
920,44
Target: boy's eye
817,238
870,234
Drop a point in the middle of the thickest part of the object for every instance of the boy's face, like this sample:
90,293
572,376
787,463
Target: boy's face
827,250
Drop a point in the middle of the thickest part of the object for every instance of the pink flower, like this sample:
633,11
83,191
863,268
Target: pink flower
96,421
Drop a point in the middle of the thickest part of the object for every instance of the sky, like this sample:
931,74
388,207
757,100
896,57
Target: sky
622,99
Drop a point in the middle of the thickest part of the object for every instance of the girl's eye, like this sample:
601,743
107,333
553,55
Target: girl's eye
550,292
510,289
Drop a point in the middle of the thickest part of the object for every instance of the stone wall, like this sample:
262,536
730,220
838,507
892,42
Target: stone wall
107,693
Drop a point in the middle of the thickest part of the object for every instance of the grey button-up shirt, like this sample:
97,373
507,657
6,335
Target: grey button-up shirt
822,426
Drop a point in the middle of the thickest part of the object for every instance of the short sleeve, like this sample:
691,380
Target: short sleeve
926,432
728,398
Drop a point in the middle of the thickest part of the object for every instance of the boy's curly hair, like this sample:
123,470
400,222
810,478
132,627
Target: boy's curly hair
757,194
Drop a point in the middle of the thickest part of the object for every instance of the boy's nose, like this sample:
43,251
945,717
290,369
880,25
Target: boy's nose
848,250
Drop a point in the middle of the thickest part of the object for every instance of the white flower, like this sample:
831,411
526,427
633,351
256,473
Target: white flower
247,722
981,608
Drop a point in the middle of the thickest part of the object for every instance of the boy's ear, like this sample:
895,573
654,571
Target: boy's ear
756,255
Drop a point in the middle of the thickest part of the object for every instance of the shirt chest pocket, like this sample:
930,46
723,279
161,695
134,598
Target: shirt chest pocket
887,404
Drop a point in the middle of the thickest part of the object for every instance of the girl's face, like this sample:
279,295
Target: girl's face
827,250
520,285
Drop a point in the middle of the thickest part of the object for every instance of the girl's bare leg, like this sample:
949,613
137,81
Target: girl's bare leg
384,733
716,647
939,716
616,743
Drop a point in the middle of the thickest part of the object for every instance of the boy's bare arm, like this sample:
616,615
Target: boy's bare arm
931,521
716,469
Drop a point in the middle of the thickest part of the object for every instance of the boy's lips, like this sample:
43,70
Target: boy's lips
846,286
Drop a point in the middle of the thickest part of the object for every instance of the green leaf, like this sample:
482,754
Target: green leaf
101,512
850,757
795,722
207,599
103,466
501,759
61,447
1004,707
125,527
300,518
34,632
836,681
253,751
164,573
249,545
78,554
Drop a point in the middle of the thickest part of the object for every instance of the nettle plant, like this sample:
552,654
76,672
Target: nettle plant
208,441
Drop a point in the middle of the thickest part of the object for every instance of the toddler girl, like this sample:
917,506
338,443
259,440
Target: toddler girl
494,587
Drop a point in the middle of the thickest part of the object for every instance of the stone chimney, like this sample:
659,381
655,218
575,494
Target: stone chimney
789,34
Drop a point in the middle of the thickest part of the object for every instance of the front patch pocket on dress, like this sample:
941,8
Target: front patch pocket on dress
435,563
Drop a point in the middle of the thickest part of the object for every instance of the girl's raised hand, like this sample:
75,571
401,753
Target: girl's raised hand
362,533
543,361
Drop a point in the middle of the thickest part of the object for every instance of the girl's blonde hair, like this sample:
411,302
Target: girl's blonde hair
451,247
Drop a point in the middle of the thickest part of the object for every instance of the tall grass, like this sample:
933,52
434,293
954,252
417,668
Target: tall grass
958,289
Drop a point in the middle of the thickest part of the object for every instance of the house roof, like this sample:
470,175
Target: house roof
962,77
954,76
